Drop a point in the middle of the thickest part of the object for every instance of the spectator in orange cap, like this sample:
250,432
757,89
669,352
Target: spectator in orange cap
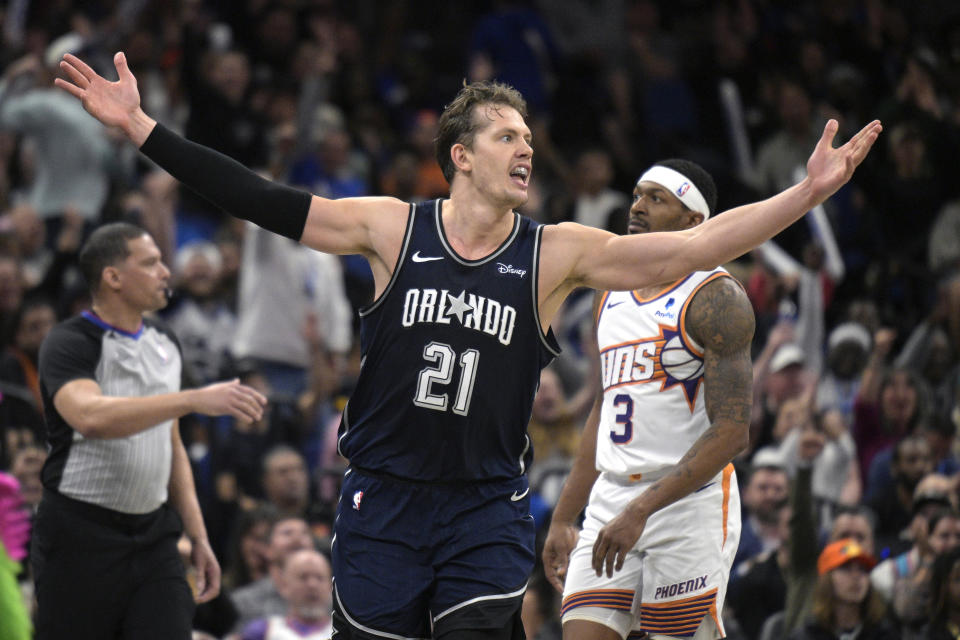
844,604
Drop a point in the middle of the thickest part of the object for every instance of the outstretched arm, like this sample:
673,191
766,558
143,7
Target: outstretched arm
721,319
84,406
369,226
594,258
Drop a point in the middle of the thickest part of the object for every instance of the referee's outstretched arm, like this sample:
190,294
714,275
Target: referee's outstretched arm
94,415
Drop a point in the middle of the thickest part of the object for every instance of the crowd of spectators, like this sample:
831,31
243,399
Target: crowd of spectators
856,377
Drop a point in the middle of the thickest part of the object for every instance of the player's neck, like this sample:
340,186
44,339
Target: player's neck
475,228
117,314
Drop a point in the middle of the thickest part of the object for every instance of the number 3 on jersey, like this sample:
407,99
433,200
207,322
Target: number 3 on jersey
441,374
624,433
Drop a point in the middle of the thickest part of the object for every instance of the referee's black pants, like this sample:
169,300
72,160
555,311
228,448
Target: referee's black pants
102,574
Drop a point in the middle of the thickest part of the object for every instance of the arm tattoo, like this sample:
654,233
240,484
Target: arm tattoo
721,319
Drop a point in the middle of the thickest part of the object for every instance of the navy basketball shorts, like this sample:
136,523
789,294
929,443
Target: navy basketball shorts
418,560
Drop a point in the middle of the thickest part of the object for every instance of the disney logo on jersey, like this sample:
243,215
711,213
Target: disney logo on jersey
664,358
471,311
508,268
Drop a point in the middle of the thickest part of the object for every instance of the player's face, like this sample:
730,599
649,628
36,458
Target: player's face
144,277
654,208
501,158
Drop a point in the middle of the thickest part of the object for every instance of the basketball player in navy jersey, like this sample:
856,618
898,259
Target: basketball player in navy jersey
663,519
433,535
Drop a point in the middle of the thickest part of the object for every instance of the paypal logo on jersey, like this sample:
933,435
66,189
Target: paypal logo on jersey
666,310
471,311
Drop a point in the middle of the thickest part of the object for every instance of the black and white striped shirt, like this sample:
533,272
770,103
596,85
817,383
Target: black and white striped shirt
128,474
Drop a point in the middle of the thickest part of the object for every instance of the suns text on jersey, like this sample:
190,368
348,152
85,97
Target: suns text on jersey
630,363
471,311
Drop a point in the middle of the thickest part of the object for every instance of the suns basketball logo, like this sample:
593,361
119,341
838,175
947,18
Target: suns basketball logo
664,358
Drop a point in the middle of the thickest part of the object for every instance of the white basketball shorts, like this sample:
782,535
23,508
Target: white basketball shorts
674,577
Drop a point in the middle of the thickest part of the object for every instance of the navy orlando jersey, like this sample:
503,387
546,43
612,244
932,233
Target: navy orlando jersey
452,352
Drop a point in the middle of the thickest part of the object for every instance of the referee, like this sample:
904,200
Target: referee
118,489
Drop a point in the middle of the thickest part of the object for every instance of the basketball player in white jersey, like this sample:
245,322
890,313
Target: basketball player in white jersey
663,519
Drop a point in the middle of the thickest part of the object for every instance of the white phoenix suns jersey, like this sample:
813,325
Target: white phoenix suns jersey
653,408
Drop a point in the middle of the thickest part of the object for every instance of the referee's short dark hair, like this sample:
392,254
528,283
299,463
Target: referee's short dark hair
106,247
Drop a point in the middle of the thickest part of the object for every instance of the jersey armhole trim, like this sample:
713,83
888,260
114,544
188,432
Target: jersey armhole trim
688,341
345,423
604,296
408,234
547,338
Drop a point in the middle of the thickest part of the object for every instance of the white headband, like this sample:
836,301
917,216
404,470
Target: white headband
679,185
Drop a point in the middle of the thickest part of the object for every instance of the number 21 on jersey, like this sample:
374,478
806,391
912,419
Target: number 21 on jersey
433,380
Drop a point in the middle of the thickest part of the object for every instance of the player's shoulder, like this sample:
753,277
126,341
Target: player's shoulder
720,290
380,205
719,312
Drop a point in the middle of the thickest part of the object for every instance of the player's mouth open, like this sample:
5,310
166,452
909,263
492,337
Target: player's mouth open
521,175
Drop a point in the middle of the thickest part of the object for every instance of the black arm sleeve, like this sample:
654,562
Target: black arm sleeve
228,184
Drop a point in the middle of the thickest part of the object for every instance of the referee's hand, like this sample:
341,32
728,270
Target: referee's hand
230,399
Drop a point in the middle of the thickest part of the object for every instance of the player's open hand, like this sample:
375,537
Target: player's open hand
561,539
829,168
230,399
615,540
112,103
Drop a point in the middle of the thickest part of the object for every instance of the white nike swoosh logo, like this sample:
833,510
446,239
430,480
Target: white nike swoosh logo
516,497
418,258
